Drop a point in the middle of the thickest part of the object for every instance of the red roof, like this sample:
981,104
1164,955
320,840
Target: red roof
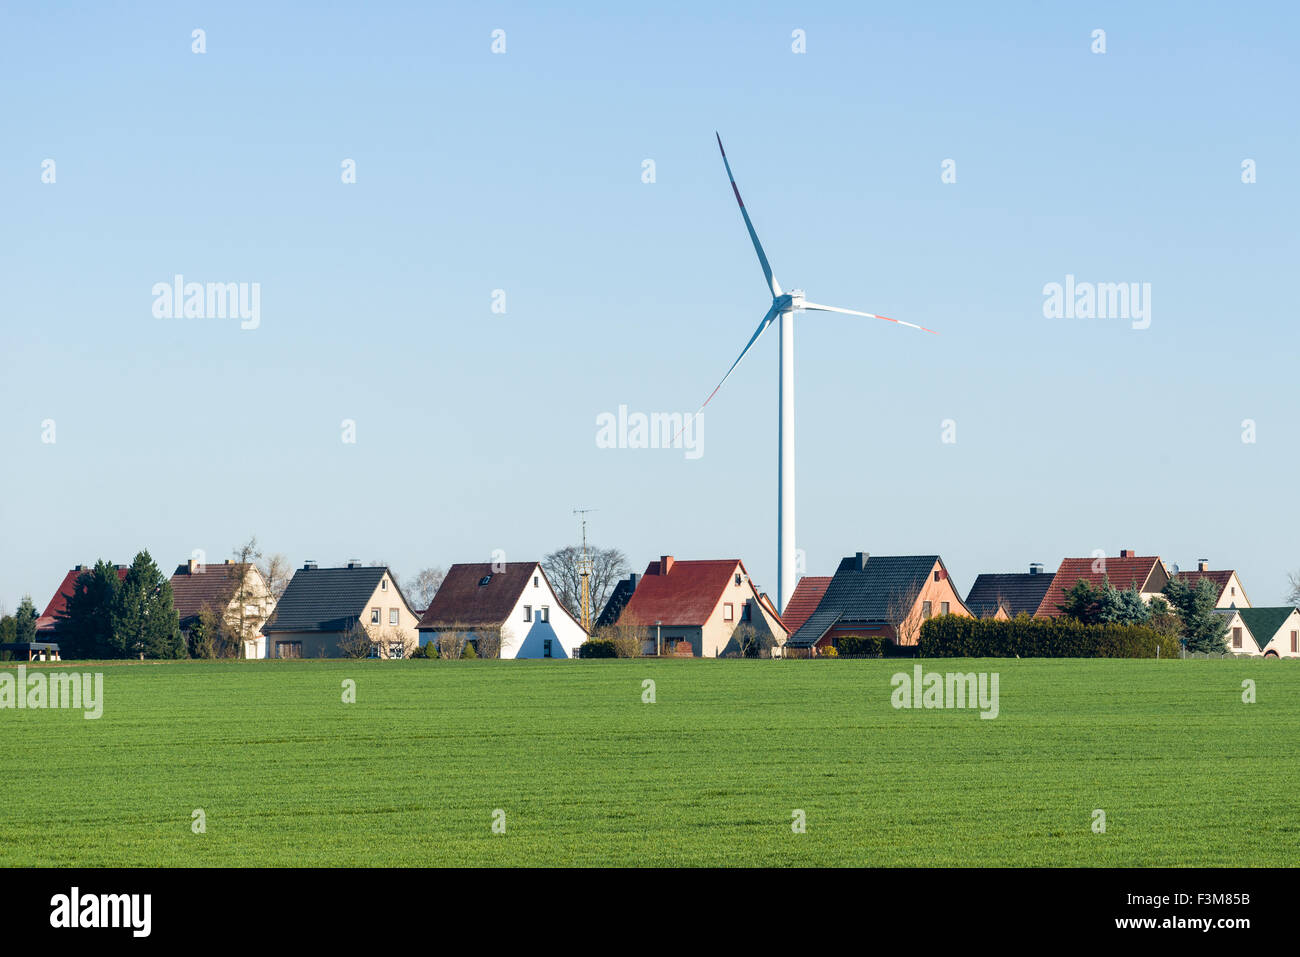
1126,571
807,596
685,596
59,603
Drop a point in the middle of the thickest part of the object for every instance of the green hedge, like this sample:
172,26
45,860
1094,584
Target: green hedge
863,646
597,648
952,636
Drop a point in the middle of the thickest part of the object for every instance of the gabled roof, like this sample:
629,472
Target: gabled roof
59,603
1018,592
1220,577
1125,571
683,597
475,595
328,599
213,587
807,596
1264,622
865,592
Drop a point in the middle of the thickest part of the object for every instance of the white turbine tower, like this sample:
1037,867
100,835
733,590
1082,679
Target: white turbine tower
784,305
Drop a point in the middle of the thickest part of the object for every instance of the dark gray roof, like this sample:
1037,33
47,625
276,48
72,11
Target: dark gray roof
617,599
326,599
864,594
1019,592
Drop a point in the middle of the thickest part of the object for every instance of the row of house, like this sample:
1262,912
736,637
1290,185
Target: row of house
675,607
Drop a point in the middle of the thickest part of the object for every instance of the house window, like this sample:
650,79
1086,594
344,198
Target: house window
1236,637
546,648
374,616
925,609
728,611
396,649
737,578
392,616
293,649
746,612
1294,636
1233,589
536,582
528,612
943,608
383,585
544,613
374,649
936,574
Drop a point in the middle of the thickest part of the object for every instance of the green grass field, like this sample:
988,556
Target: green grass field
710,774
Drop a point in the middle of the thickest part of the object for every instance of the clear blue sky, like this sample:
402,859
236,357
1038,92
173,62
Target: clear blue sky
522,172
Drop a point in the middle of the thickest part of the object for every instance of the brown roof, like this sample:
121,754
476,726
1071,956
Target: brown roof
474,595
213,587
807,596
1218,576
1126,571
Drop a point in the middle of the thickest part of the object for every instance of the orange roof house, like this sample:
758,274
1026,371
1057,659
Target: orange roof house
693,608
1146,573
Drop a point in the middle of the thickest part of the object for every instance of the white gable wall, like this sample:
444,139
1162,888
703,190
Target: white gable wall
527,639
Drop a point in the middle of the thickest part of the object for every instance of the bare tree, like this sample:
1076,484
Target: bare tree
421,588
563,569
629,639
1293,579
392,641
452,640
277,572
905,617
744,642
491,642
356,642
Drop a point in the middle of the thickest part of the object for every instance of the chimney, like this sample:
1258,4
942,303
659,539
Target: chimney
1036,568
230,561
634,578
80,568
309,565
193,564
860,560
1202,564
354,563
1126,553
665,564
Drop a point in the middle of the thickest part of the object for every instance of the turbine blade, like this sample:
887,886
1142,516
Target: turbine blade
758,247
763,324
814,307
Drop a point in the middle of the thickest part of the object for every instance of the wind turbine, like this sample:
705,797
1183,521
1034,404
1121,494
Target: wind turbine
784,305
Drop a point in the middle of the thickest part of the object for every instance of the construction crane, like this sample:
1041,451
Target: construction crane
584,571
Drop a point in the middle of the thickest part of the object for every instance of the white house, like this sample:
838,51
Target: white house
510,601
1275,631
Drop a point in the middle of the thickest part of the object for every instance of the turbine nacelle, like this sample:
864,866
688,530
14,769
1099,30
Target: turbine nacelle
791,302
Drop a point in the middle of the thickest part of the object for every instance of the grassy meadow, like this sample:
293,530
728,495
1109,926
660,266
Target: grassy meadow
711,773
